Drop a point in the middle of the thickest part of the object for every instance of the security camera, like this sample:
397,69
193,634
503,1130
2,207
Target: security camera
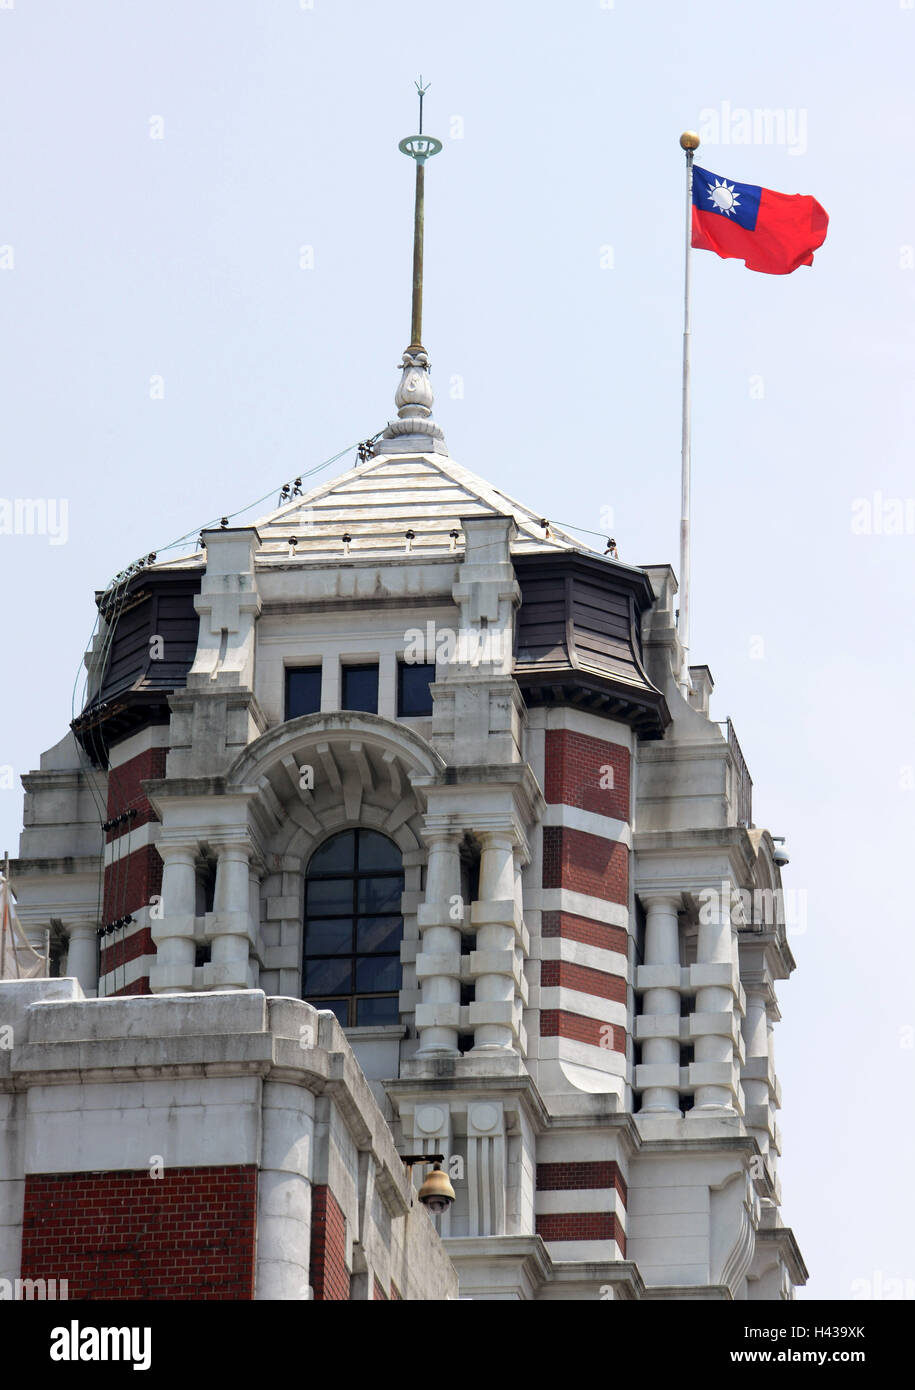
780,854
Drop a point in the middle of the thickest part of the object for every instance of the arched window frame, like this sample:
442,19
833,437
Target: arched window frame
327,914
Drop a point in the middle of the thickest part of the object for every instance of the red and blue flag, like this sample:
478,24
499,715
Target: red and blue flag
770,232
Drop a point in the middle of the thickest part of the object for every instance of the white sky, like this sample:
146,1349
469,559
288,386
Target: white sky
179,257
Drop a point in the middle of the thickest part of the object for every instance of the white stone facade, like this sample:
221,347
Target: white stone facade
585,1013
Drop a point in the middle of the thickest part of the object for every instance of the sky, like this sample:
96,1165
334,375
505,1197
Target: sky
205,268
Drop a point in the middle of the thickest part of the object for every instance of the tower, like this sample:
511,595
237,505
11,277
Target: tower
410,841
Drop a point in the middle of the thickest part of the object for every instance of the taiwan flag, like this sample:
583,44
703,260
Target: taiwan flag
771,232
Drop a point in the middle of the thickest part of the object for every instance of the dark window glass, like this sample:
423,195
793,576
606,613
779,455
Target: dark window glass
303,690
379,894
360,688
380,1009
328,896
335,854
375,852
414,698
353,928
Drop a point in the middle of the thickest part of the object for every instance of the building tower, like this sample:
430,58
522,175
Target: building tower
407,752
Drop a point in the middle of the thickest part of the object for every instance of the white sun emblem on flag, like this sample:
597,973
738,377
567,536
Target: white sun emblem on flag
724,198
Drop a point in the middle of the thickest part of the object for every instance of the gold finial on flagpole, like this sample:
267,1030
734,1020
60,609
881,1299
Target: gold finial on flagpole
689,140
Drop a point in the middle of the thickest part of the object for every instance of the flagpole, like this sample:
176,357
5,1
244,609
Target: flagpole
689,141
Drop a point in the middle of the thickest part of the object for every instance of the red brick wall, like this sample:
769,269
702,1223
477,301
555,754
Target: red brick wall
565,975
558,1023
329,1277
582,1225
124,1235
124,949
575,766
131,882
585,863
585,930
379,1292
572,1177
125,792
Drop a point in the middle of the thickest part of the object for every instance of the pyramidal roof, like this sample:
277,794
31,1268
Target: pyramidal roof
378,502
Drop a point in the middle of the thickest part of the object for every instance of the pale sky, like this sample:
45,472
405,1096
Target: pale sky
162,167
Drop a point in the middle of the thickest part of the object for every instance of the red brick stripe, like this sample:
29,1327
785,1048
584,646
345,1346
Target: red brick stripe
585,930
582,1225
577,1177
585,863
558,1023
131,882
566,975
138,943
125,1235
379,1291
329,1278
125,792
575,766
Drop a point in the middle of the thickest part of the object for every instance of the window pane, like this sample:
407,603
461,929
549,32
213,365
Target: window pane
328,977
335,855
413,694
369,1011
378,934
380,895
338,1006
329,895
360,688
303,691
377,851
329,938
374,973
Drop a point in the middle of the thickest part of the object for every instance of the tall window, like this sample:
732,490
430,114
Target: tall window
360,688
353,928
303,690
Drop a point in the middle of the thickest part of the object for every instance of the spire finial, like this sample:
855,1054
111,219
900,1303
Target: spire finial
414,430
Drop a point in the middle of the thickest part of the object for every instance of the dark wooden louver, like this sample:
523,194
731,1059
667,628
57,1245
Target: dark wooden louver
578,639
135,684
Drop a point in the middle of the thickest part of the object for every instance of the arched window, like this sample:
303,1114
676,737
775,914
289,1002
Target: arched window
353,928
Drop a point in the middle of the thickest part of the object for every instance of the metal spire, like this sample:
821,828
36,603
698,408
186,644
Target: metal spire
414,430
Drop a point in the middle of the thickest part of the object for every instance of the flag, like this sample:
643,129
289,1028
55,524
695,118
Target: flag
768,231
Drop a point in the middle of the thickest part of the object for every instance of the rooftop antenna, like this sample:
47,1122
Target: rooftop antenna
419,148
414,430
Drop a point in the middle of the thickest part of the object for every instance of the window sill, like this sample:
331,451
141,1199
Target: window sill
380,1032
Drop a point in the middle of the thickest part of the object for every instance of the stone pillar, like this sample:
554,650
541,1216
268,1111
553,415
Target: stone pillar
229,924
438,964
82,955
494,1012
658,1025
173,933
756,1069
713,1025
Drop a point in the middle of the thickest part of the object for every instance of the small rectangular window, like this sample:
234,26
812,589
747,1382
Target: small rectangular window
360,688
414,698
303,690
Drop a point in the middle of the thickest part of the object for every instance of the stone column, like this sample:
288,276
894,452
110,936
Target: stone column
229,924
756,1069
713,1025
438,964
494,1013
173,933
658,1025
82,955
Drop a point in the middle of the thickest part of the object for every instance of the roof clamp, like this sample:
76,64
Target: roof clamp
346,538
410,537
453,538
